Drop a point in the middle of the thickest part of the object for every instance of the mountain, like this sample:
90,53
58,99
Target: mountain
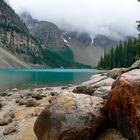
55,47
105,42
79,47
20,49
84,49
46,32
15,37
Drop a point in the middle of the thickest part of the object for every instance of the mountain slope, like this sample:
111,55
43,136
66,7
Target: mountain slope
86,55
7,60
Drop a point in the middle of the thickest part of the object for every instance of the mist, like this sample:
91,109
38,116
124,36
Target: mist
114,18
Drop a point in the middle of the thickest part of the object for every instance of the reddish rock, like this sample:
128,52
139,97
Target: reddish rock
70,117
123,105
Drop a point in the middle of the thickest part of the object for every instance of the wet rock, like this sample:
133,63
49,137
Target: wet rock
10,129
31,102
123,105
71,117
111,134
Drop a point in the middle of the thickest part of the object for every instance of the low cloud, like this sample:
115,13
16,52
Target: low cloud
115,18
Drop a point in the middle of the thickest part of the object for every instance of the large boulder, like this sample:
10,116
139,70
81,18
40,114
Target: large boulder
123,105
70,117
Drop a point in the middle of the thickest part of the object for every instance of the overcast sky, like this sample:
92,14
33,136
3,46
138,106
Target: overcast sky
110,17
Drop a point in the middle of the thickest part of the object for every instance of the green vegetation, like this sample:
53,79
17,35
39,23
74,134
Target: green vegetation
137,46
12,27
124,55
58,59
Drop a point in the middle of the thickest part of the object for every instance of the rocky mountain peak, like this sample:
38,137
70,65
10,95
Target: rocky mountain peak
105,42
84,38
46,32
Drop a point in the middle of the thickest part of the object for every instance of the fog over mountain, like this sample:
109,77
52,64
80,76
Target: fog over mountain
115,18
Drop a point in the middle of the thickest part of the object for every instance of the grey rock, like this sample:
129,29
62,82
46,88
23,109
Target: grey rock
10,129
85,90
37,96
136,64
2,94
21,101
102,92
31,102
5,121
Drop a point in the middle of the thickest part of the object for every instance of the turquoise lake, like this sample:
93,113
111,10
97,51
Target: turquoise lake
21,78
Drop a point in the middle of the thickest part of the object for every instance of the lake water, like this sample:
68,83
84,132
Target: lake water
18,78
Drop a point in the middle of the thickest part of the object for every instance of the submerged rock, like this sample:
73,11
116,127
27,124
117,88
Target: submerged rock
123,105
70,117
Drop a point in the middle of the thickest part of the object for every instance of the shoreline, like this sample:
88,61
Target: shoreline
22,110
25,116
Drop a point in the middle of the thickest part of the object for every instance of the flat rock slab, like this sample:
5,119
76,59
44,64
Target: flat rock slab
94,80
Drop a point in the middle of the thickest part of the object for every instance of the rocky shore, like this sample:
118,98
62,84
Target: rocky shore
104,108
